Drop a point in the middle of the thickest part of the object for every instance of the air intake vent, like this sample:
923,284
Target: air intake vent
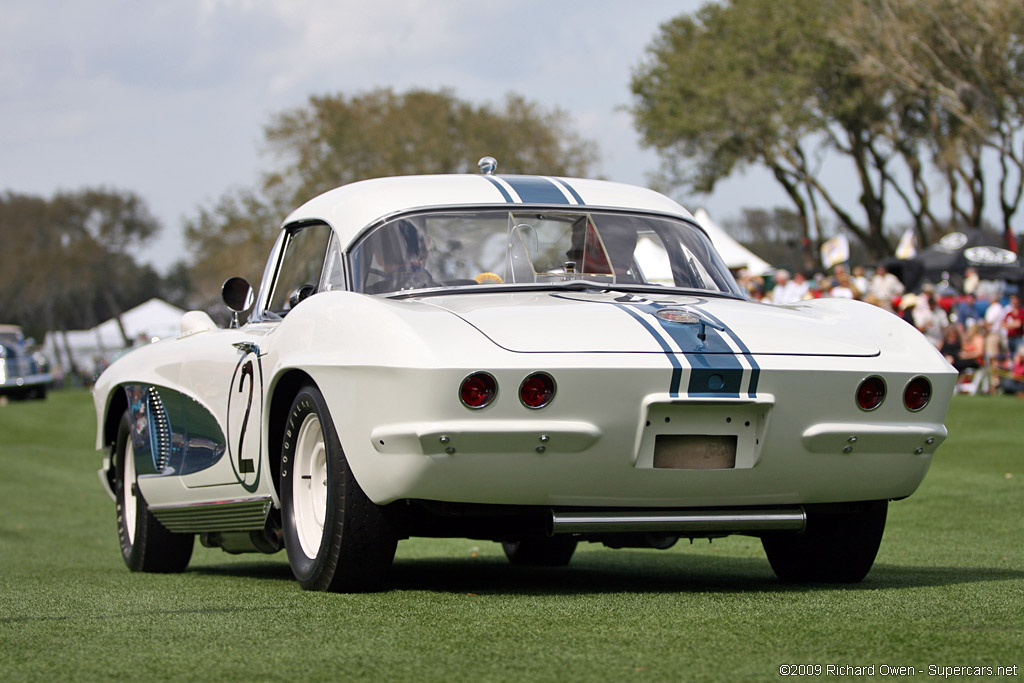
160,429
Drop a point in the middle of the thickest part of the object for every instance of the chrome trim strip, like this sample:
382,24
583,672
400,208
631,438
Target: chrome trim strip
570,522
242,514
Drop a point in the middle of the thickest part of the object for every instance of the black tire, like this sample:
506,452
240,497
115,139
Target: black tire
146,545
554,551
354,549
834,548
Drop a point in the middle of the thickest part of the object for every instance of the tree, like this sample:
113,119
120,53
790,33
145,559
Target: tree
791,85
232,237
177,287
335,140
67,263
737,84
953,72
338,139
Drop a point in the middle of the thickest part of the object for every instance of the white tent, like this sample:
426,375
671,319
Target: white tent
151,320
734,254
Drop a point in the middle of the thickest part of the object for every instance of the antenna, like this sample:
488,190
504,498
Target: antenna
487,165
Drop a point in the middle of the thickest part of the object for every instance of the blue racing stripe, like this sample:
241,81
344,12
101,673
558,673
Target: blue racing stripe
502,190
755,369
677,368
536,190
713,380
715,370
571,190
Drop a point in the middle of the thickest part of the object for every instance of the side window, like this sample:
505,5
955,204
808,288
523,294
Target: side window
302,263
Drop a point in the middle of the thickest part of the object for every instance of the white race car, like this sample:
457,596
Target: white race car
531,360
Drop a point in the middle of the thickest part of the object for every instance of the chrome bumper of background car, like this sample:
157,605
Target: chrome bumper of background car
732,521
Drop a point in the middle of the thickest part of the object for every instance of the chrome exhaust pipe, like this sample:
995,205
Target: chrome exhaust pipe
680,522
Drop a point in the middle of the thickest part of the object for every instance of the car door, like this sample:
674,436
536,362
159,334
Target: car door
232,372
225,373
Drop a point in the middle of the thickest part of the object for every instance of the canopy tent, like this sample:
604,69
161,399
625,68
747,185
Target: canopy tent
735,255
952,255
153,319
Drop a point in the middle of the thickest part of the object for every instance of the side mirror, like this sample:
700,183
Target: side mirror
237,295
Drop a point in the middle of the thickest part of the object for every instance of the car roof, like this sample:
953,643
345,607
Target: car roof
351,208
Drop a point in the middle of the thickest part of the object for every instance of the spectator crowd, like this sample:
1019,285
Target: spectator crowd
979,329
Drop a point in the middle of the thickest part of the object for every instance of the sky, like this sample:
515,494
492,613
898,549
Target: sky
169,98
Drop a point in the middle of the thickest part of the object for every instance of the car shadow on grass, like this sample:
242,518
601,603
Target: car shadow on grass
650,574
620,572
265,570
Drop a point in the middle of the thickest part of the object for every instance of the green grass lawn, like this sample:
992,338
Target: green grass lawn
947,589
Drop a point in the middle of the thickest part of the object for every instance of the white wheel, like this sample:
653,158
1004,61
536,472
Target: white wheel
146,545
337,539
130,509
309,485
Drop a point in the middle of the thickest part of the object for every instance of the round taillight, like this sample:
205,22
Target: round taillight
871,393
917,394
537,390
478,390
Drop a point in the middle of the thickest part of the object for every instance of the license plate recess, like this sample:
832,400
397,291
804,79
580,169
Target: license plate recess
701,436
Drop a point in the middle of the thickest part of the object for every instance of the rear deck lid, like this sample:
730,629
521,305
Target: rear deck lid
597,321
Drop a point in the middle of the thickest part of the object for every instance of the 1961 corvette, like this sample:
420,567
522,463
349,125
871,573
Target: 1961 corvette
531,360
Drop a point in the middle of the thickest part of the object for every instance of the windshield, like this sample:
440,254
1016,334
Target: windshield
495,247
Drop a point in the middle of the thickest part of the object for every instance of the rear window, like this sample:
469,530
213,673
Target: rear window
480,248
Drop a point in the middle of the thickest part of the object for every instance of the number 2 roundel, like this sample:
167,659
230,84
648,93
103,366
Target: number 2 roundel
245,410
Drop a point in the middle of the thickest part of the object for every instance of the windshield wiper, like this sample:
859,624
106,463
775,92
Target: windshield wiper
570,285
590,285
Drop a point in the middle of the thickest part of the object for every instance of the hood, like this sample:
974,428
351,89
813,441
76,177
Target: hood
615,322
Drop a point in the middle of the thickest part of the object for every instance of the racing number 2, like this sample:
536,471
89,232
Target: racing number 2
245,465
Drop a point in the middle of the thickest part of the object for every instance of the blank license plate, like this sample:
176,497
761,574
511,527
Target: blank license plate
694,452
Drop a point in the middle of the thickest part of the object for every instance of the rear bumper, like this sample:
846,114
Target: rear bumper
800,440
678,522
578,463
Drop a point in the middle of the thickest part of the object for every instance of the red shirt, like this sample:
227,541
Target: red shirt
1017,315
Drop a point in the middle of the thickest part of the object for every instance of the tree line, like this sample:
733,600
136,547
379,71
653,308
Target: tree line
67,261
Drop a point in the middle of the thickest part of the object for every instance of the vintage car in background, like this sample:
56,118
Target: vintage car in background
535,361
24,371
